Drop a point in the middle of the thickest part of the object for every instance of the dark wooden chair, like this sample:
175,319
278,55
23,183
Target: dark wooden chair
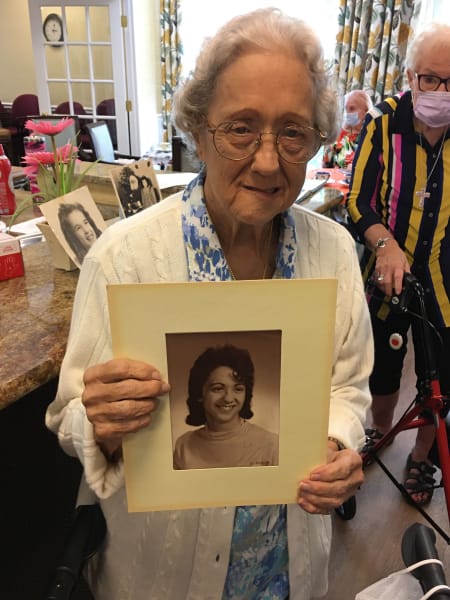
107,108
5,133
22,106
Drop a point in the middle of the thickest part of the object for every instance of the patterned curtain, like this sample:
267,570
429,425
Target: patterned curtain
371,45
171,53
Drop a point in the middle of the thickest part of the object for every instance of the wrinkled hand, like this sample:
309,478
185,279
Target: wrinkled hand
330,485
120,396
391,264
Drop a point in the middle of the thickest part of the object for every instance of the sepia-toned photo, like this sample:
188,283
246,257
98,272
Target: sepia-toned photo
225,398
76,222
136,187
246,415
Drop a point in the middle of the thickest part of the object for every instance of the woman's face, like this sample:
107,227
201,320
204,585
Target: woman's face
82,229
223,398
134,183
269,91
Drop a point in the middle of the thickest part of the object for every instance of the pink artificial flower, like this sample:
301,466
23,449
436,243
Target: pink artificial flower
48,127
39,158
31,170
66,153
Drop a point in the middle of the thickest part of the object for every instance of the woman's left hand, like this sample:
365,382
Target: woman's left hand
328,486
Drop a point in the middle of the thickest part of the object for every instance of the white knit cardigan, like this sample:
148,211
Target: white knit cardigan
183,554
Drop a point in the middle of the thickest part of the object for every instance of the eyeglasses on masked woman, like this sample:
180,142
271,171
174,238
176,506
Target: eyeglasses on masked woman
431,83
237,140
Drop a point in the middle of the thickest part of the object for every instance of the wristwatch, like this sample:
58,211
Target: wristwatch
339,444
381,242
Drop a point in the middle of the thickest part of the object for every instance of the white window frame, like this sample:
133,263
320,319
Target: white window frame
127,130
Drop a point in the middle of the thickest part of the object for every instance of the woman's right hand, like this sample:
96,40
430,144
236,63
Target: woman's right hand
120,396
390,267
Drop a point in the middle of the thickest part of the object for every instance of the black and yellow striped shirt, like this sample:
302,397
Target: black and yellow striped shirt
392,166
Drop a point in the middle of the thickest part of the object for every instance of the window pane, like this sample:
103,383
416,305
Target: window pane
58,93
76,24
102,61
56,62
103,91
99,22
79,62
81,92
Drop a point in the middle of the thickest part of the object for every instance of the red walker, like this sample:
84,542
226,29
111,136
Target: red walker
429,406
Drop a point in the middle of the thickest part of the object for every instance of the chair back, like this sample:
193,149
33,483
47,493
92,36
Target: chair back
64,109
5,116
101,141
24,105
108,108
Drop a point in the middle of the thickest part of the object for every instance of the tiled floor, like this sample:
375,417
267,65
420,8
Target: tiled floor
368,547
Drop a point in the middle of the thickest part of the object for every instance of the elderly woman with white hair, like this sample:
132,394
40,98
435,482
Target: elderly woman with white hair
257,107
399,204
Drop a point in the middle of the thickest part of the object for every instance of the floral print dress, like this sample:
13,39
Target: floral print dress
258,563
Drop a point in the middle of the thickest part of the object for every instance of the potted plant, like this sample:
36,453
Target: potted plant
54,173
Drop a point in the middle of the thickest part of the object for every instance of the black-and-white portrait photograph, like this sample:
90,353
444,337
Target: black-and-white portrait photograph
225,398
136,187
76,221
245,414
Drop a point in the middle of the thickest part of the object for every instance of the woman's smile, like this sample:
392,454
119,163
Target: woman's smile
223,397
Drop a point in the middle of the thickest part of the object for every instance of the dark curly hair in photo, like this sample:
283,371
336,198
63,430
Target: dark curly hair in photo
64,212
238,360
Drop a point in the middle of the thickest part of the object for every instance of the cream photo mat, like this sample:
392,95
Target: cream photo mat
303,310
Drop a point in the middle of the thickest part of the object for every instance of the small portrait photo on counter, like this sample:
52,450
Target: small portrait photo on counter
76,222
225,398
136,187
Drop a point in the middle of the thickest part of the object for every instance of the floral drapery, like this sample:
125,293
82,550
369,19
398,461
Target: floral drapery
171,52
371,45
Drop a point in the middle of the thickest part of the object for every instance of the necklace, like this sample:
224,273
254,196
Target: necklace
423,192
266,254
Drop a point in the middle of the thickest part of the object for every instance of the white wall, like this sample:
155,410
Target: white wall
17,74
146,52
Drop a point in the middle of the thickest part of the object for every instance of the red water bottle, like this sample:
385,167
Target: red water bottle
7,197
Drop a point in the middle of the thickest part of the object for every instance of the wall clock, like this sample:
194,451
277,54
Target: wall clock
53,28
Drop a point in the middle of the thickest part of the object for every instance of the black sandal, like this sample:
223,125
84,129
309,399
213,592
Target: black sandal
372,437
419,479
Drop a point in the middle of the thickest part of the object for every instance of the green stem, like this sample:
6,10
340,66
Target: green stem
55,168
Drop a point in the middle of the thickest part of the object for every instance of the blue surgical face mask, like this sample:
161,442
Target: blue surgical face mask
433,108
351,119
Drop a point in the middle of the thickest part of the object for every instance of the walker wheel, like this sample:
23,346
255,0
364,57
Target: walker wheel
347,509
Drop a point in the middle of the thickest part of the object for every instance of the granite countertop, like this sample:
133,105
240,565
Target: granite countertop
34,324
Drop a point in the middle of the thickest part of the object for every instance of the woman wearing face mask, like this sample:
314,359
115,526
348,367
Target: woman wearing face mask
340,154
399,204
220,391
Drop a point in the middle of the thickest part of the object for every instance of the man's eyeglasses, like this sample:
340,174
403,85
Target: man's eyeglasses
237,140
430,83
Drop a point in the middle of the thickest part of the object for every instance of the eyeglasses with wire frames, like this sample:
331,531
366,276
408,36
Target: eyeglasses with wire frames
431,83
237,140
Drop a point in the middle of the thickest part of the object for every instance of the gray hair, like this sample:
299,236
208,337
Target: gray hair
434,34
261,30
362,95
